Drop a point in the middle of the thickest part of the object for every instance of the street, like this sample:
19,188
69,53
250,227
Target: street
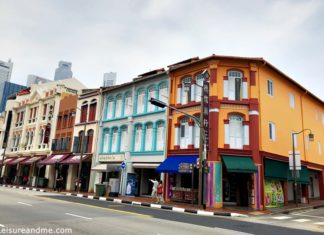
30,209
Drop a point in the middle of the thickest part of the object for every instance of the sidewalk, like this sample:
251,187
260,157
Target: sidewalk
313,204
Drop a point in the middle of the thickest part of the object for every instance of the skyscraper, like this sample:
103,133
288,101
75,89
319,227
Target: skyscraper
109,79
34,79
5,70
7,89
63,71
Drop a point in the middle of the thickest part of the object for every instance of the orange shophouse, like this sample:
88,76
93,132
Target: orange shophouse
253,110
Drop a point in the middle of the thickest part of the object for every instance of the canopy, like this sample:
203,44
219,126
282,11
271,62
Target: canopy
53,159
31,160
7,160
75,159
15,161
303,176
239,164
172,163
276,169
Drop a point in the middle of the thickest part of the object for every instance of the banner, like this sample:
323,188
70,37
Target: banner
131,185
273,193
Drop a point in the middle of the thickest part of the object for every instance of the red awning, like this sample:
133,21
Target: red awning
8,159
15,161
75,159
53,159
31,160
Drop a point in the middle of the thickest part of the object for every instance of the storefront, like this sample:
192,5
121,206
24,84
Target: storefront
238,180
31,170
16,172
313,187
182,178
9,171
139,181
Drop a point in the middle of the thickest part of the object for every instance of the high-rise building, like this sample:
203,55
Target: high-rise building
7,89
5,70
34,79
63,71
109,79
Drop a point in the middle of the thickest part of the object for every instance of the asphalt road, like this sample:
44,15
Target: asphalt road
29,209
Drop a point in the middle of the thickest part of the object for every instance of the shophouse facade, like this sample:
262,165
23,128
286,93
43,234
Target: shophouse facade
244,158
34,118
133,134
85,136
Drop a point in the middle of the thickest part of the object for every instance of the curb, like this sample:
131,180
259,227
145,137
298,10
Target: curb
135,203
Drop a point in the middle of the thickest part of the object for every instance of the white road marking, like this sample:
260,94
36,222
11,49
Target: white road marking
301,220
102,198
319,223
79,216
118,200
90,196
312,216
155,206
1,225
282,217
26,204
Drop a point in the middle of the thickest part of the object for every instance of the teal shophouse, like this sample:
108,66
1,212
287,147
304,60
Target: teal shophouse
133,134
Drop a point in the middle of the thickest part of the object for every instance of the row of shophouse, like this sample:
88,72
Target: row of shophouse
124,140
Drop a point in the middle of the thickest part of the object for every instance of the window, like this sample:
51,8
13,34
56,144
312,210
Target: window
186,90
163,93
31,138
198,87
272,131
160,136
84,112
128,104
44,111
41,136
291,100
17,141
110,108
140,101
138,138
196,135
27,138
105,141
114,140
319,148
71,119
270,87
89,141
184,133
118,111
92,111
59,122
151,94
65,121
148,137
123,139
235,85
236,132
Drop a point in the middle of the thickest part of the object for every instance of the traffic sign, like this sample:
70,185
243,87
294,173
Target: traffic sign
123,165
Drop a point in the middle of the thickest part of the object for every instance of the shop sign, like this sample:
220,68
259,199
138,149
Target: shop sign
297,160
274,196
185,168
206,112
111,158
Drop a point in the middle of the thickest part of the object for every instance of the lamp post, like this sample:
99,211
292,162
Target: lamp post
311,138
202,122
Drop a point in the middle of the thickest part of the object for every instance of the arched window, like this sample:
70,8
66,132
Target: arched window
41,136
105,143
118,110
81,143
196,134
160,136
27,138
184,132
236,131
163,93
17,140
114,140
110,107
140,101
128,104
151,94
123,139
148,137
31,138
84,112
198,87
138,138
89,141
14,141
186,90
235,85
93,108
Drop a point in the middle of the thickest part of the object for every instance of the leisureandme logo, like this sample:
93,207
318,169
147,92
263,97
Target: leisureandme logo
38,230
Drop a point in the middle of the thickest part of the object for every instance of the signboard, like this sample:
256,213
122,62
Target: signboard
185,168
297,160
274,195
111,158
131,185
206,112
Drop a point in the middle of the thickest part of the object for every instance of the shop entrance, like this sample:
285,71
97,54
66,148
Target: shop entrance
145,185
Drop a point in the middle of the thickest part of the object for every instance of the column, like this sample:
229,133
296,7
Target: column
176,136
246,134
226,133
118,139
193,91
214,106
213,180
225,92
154,137
179,94
285,191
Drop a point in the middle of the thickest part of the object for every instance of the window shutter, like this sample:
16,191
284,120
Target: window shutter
53,145
76,142
85,144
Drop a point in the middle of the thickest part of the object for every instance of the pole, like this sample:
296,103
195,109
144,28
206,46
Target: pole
3,160
201,146
80,165
192,183
294,169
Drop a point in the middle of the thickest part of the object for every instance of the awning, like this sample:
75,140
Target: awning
15,161
107,167
31,160
7,160
53,159
303,176
75,159
276,169
146,165
171,164
239,164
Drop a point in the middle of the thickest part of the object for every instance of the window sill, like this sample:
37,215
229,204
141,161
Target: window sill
145,114
146,153
115,119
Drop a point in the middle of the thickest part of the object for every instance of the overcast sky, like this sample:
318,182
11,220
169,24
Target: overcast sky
131,37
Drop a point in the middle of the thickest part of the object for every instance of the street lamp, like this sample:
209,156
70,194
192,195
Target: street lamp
203,126
311,138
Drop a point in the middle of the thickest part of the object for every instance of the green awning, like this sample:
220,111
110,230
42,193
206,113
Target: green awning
276,169
303,176
239,164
